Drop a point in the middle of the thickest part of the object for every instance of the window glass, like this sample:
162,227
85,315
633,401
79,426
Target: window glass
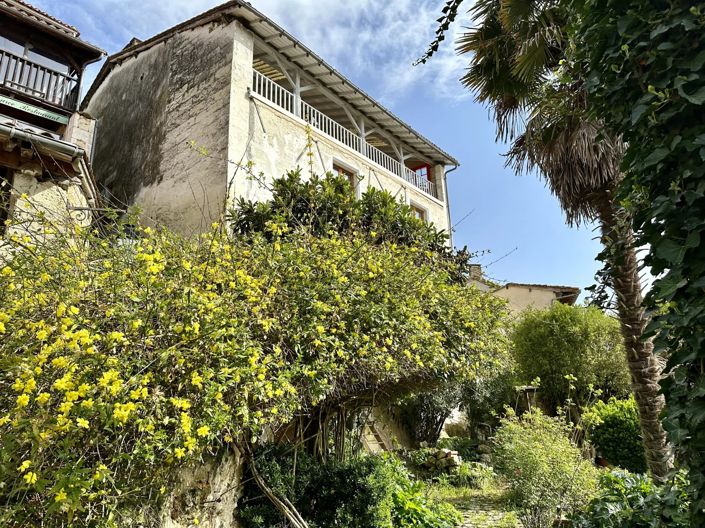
351,176
418,212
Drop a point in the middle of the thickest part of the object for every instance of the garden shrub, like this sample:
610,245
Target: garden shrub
572,350
625,500
475,475
547,474
484,397
423,414
325,204
613,428
124,360
465,446
413,509
363,492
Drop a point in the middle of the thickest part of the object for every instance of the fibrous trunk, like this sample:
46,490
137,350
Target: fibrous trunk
644,366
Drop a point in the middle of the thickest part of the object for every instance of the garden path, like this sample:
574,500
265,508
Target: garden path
487,509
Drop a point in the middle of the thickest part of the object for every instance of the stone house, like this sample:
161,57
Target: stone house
186,117
521,297
45,143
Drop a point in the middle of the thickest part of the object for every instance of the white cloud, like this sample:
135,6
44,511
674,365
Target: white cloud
370,41
376,41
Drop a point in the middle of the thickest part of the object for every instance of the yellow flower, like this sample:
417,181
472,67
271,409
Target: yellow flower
42,335
24,466
30,477
180,403
87,404
18,385
136,394
22,400
73,310
61,496
4,420
30,385
196,380
203,431
65,407
60,362
108,378
186,422
190,443
122,411
179,452
43,398
82,422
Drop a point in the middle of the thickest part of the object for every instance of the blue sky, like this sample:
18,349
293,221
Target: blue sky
374,44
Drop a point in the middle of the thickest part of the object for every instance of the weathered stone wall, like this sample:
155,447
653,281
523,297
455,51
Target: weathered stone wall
37,203
278,144
150,110
80,131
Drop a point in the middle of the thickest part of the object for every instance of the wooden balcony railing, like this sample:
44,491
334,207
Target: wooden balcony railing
280,96
37,81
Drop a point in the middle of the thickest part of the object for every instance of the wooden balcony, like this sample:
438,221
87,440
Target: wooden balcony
38,82
283,98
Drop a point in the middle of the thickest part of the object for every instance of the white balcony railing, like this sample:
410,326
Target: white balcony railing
270,90
37,81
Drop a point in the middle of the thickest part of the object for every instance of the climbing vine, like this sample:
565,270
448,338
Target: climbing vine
644,64
124,359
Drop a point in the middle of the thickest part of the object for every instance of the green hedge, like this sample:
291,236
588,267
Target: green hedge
613,428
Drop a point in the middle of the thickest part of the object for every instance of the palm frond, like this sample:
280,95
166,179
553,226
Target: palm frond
571,152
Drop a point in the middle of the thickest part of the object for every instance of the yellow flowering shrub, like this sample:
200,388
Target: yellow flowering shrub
123,359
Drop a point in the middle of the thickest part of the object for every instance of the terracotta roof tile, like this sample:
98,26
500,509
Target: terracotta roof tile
30,11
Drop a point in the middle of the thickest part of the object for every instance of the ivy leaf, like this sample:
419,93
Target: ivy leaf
670,250
656,156
638,111
696,98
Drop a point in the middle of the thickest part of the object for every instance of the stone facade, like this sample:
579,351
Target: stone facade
179,126
521,297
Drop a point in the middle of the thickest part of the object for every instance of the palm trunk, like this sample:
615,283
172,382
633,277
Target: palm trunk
644,366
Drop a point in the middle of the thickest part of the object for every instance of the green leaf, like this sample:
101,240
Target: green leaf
656,156
698,62
670,250
696,98
638,111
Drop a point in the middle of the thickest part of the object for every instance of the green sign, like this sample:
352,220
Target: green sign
34,110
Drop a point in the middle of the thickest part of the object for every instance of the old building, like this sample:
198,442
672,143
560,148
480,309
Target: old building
538,296
45,142
184,116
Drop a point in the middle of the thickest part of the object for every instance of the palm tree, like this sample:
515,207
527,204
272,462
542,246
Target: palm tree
517,53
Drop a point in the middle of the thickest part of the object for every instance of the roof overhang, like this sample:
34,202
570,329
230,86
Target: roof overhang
27,14
301,56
